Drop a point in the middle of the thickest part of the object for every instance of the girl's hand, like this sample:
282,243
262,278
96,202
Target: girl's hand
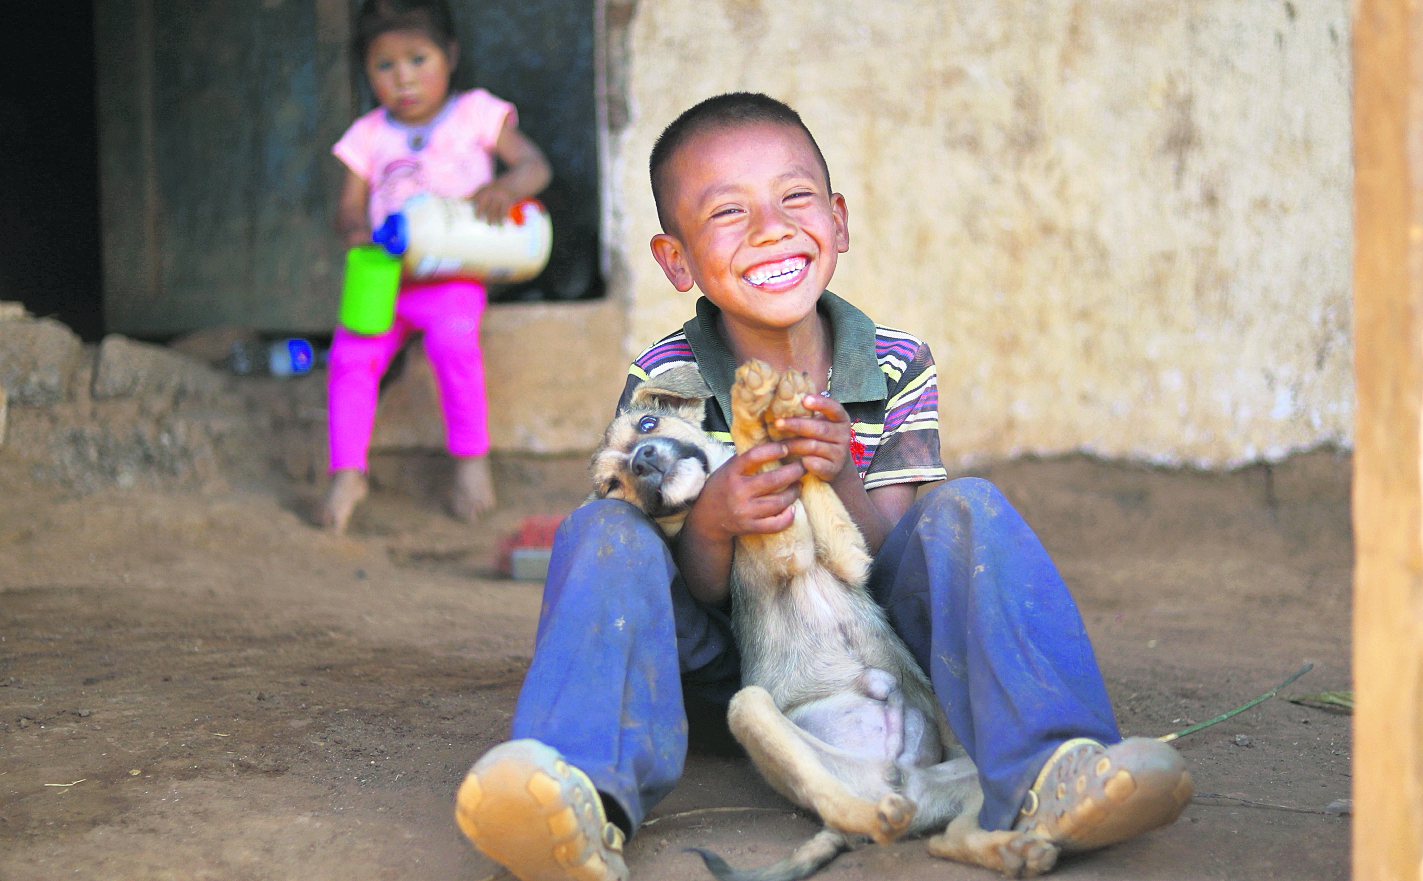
822,441
493,201
526,174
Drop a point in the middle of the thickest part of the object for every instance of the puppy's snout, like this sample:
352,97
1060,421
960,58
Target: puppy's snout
644,461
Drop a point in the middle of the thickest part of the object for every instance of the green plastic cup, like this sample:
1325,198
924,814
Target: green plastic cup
369,289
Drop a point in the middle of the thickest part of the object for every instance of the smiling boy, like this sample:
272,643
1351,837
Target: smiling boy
749,219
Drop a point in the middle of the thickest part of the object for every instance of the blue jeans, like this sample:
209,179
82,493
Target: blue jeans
963,579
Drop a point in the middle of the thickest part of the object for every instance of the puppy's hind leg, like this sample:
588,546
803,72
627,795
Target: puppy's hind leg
797,765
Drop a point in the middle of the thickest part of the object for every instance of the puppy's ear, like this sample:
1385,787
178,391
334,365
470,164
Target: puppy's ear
680,390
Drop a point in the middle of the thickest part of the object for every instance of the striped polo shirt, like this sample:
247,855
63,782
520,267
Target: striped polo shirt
884,378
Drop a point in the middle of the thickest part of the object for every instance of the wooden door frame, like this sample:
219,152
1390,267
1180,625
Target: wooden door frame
1387,495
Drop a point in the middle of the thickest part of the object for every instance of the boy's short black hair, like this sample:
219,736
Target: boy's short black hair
719,112
433,18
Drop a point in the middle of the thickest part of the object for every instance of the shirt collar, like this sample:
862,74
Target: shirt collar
417,137
856,376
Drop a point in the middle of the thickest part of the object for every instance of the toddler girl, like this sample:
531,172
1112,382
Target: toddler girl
422,138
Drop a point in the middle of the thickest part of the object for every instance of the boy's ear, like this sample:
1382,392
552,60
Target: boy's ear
842,222
670,255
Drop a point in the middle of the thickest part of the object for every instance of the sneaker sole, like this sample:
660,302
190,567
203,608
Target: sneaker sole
1140,788
536,815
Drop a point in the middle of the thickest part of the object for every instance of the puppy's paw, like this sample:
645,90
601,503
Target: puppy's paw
1014,854
789,401
1025,857
893,815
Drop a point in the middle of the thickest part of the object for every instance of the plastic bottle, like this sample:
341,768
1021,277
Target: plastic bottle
443,238
369,289
291,357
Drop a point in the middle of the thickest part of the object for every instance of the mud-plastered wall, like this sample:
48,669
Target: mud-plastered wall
1123,228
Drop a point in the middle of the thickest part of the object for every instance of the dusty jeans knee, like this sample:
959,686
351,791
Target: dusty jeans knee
973,593
618,638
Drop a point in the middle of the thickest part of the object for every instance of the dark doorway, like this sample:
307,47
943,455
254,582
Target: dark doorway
50,256
539,55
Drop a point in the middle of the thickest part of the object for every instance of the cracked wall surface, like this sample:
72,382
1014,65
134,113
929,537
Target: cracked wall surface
1124,229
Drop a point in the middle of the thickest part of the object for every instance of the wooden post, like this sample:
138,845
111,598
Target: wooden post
1388,478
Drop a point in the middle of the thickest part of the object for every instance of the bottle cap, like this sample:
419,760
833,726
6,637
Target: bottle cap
393,235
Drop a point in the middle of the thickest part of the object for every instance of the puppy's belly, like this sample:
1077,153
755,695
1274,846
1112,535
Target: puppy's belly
871,729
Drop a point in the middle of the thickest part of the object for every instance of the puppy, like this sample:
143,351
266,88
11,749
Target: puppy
834,711
655,455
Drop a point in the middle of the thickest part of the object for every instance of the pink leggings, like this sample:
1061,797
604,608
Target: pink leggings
449,313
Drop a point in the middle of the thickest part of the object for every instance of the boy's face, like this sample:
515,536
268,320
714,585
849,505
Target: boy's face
755,226
409,74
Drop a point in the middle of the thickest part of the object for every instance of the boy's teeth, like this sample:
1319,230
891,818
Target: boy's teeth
762,274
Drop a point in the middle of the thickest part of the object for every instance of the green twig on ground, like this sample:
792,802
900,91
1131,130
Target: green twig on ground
1167,738
1334,701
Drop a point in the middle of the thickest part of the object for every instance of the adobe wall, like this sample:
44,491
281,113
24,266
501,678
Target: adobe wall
1123,229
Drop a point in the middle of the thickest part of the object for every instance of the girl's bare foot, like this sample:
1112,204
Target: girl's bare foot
348,488
473,493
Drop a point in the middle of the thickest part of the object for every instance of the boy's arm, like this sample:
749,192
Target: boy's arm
526,174
736,500
875,511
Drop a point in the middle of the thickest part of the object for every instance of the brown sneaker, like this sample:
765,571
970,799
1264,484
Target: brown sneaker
1089,795
539,817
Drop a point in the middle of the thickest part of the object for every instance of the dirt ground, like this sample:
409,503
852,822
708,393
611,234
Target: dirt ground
197,684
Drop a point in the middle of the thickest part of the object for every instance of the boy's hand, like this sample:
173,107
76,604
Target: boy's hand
821,441
737,500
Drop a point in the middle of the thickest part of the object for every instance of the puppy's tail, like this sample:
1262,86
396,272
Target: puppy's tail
808,859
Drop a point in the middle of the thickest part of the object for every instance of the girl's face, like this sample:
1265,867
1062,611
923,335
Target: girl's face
410,74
